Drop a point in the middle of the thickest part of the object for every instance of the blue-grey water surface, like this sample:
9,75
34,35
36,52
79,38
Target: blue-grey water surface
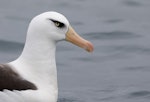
119,68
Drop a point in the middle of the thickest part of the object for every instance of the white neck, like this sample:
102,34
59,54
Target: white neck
39,55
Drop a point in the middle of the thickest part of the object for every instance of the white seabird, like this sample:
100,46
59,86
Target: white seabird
33,76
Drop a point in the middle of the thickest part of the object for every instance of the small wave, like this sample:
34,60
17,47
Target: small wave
132,3
111,35
66,100
138,94
84,59
126,49
137,68
107,98
9,46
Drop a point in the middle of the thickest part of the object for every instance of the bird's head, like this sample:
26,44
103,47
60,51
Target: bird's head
56,27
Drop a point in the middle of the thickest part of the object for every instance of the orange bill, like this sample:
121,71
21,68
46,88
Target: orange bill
74,38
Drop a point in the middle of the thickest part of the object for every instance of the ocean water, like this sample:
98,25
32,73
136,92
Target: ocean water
119,68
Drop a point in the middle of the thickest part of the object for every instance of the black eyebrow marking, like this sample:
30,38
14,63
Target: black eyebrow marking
61,25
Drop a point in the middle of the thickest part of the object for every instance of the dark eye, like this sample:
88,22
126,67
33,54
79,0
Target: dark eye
58,24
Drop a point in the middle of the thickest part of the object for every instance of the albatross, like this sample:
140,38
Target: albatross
32,77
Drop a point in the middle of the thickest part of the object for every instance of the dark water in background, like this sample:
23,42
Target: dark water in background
119,68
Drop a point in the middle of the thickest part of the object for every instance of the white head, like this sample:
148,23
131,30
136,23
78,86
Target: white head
55,27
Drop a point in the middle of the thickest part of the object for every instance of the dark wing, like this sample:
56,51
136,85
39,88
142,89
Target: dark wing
11,80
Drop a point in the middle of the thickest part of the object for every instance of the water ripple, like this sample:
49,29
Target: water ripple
126,49
132,3
65,100
137,68
139,94
8,46
112,35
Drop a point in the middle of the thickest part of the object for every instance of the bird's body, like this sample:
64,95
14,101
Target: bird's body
35,69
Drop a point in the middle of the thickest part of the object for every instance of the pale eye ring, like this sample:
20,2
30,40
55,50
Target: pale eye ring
57,24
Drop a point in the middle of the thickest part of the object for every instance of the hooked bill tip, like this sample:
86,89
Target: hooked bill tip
89,47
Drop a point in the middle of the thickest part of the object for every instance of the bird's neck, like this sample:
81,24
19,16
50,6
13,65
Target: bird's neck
39,57
39,50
